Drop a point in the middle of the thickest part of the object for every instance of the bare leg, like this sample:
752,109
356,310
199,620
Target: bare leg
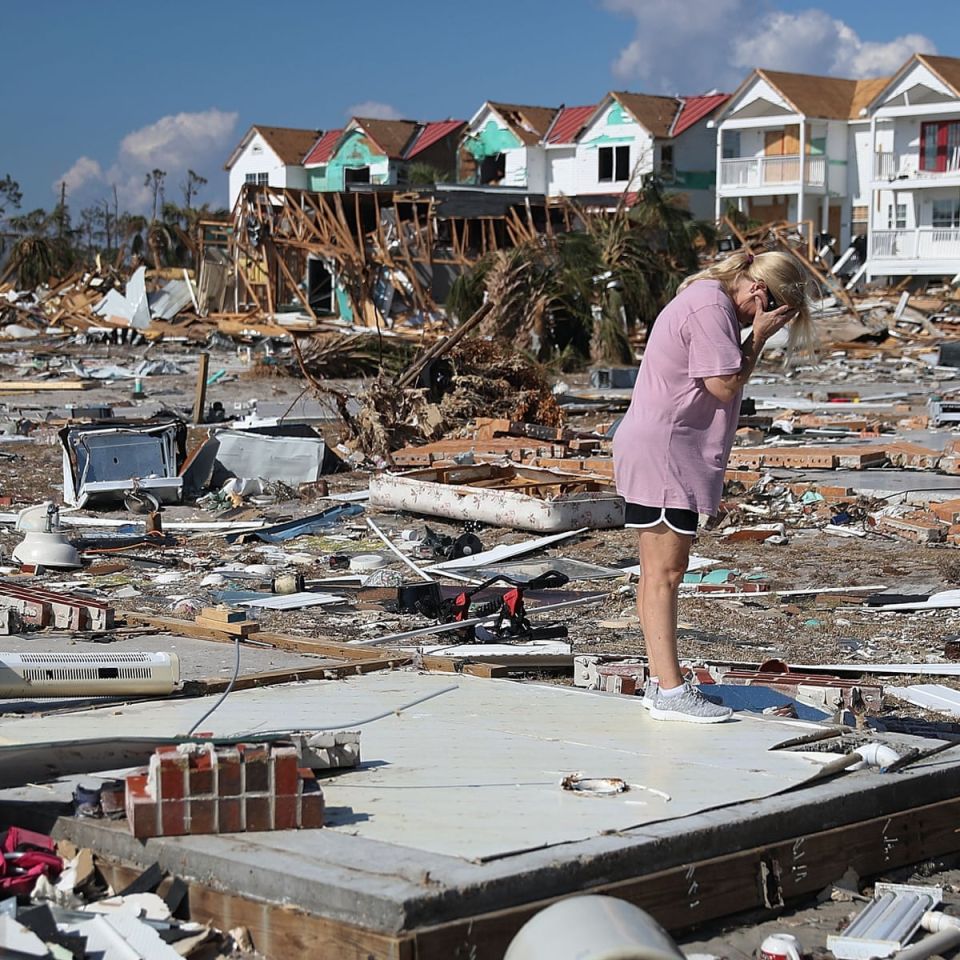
651,660
664,555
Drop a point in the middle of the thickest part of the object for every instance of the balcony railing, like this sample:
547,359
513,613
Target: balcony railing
771,171
893,166
923,243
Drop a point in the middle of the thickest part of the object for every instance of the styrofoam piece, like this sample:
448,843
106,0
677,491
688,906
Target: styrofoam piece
505,551
930,696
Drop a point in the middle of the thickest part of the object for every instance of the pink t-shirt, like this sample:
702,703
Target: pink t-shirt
672,446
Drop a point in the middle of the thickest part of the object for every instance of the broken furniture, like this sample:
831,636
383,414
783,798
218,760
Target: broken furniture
104,461
525,498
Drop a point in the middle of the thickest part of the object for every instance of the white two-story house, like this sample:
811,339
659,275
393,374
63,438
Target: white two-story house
914,143
787,150
269,156
629,135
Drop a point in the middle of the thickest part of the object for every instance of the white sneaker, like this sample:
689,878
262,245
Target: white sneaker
691,706
650,688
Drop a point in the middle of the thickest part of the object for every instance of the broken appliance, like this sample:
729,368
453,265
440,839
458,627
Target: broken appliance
103,462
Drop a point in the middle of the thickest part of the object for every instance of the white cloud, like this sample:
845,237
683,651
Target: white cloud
374,110
686,46
176,143
84,170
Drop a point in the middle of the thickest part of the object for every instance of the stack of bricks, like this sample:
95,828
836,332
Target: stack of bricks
199,788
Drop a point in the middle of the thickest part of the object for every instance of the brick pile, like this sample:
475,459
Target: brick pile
200,788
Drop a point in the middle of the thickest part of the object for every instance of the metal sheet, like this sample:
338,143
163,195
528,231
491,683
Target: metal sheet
930,696
504,552
293,601
525,570
290,459
433,777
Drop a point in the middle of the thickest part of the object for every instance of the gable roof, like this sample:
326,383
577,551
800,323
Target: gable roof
432,132
946,68
530,124
694,109
322,150
829,98
288,143
391,136
655,113
568,123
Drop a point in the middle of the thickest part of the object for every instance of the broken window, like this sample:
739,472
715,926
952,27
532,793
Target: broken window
261,179
666,161
356,175
940,145
493,169
613,164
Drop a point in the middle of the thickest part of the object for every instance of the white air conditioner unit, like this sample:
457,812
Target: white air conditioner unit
88,674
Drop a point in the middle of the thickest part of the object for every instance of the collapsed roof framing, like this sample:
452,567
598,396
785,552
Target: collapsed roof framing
370,237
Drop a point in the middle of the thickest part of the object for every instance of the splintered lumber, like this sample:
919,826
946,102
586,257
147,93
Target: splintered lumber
318,646
325,670
29,386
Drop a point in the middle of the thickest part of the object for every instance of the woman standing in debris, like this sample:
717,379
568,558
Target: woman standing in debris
672,446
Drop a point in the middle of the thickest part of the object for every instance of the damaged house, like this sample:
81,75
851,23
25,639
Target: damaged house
381,152
269,156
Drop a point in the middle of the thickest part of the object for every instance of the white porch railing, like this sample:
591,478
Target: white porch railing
924,243
890,166
768,171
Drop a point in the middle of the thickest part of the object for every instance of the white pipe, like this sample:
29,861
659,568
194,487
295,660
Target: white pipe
876,755
944,939
935,920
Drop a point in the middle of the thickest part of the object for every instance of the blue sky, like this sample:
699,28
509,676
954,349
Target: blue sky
106,90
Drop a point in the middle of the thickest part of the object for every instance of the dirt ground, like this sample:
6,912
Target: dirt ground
812,921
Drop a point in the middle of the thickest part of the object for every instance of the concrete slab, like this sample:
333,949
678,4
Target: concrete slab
431,775
348,875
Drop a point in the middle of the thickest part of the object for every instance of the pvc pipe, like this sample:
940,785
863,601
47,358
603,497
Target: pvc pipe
876,755
937,944
935,920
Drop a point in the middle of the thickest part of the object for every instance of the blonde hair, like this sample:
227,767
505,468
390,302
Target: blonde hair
785,278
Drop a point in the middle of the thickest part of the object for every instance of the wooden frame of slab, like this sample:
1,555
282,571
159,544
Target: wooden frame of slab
764,877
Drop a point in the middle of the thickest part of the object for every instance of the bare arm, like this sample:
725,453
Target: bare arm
765,325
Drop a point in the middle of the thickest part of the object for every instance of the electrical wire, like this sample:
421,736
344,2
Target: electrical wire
226,693
393,711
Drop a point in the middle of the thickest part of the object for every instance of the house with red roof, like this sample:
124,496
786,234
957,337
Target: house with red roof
607,149
269,156
370,150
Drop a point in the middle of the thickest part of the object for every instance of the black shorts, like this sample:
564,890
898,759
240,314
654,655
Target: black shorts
680,521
